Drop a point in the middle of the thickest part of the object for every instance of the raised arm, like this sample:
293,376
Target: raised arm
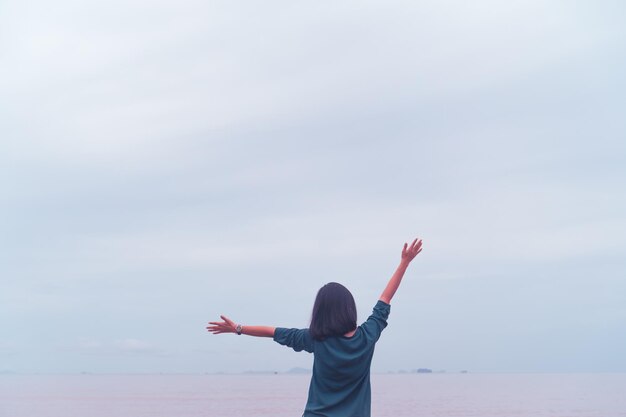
408,253
229,326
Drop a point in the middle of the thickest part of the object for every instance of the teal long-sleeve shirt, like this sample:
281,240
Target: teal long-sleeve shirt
340,384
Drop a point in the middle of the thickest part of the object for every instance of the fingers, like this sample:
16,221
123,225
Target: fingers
219,327
409,252
414,249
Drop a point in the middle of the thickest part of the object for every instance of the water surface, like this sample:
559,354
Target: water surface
398,395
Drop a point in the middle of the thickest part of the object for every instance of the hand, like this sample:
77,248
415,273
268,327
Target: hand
226,326
410,252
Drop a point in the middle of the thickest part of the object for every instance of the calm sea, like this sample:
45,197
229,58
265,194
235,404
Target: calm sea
420,395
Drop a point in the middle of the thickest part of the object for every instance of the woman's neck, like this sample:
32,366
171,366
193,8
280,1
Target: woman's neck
350,333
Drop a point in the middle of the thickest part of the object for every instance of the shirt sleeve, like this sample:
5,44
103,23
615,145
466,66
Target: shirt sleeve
377,321
297,339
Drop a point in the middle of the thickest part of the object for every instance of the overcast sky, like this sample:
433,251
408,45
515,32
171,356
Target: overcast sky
162,163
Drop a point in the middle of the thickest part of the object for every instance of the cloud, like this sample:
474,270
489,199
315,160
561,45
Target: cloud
119,347
8,348
142,141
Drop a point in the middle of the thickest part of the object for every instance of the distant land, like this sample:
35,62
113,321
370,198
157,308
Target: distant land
303,371
292,371
424,371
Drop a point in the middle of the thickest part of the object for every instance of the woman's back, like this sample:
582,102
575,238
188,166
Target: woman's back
340,384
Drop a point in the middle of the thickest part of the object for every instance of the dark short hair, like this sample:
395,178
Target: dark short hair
334,312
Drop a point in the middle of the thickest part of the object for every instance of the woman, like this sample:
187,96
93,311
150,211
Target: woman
340,384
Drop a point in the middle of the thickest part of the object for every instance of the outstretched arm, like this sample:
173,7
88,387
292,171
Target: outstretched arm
229,326
408,253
